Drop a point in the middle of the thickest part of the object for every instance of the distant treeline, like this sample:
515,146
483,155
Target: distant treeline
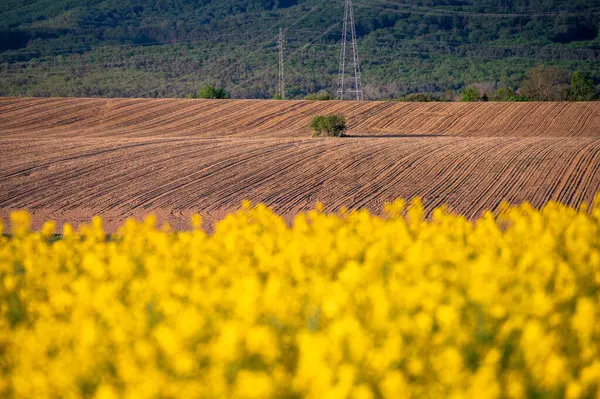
131,48
540,84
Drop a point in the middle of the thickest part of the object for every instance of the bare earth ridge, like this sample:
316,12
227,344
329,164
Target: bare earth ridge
68,159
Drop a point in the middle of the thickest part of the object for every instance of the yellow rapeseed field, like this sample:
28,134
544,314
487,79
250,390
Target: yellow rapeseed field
338,306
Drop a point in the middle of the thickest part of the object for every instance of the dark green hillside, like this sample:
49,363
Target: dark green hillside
172,48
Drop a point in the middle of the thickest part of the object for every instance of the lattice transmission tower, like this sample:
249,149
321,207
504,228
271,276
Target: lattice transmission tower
350,85
281,85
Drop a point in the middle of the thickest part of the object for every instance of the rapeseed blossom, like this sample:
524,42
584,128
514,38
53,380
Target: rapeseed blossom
349,305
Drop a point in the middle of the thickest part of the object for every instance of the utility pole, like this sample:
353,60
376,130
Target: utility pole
350,84
281,86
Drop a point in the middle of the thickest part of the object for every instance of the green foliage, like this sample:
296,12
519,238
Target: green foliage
421,98
134,48
277,96
328,125
582,88
507,94
544,83
320,96
210,92
470,94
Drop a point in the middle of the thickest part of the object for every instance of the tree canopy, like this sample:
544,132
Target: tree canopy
131,48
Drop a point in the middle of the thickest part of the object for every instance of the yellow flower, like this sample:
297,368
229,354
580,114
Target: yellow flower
584,319
48,228
362,392
334,306
196,220
574,391
253,385
394,385
20,221
106,392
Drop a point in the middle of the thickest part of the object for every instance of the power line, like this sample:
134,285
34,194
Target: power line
323,34
114,45
456,43
210,38
50,69
243,46
111,58
349,25
410,8
440,11
134,45
164,85
289,56
456,61
70,66
162,50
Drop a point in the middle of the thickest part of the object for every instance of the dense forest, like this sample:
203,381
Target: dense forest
172,48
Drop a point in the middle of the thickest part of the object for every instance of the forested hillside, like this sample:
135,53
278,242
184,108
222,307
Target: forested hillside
148,48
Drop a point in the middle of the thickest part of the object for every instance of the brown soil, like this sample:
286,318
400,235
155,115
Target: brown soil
69,159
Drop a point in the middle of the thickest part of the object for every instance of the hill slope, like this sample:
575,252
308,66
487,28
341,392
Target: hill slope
118,118
67,159
134,48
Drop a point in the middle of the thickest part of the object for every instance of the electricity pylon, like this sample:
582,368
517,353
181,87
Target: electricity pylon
281,85
349,84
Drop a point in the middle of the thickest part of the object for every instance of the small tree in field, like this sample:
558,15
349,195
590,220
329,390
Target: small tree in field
328,126
470,94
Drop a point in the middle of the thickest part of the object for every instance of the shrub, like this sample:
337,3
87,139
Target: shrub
507,94
210,92
420,98
470,94
582,88
328,126
320,96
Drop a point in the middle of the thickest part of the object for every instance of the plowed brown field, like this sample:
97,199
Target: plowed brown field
68,159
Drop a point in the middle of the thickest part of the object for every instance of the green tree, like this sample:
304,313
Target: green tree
582,88
328,126
507,94
320,96
545,84
470,94
209,92
420,98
